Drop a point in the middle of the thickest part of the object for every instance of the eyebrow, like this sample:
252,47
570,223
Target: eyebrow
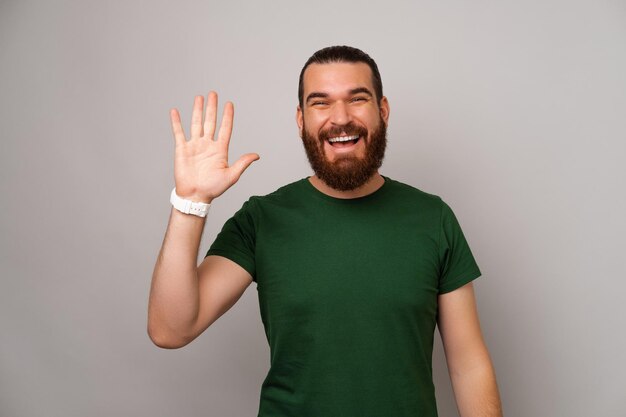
316,95
361,90
352,92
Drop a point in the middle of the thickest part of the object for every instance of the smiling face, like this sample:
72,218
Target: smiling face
342,125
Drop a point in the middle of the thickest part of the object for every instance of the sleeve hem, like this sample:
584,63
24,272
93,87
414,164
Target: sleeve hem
459,282
239,260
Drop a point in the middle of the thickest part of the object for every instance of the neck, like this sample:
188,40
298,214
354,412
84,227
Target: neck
374,183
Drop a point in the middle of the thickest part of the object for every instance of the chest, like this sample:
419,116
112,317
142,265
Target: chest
361,265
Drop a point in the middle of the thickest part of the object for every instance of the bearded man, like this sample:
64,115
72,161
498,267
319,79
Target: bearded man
353,269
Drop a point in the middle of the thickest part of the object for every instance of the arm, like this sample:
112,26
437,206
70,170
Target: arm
469,365
186,299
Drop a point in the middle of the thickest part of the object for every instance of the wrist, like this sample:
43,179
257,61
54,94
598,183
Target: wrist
193,195
190,204
196,198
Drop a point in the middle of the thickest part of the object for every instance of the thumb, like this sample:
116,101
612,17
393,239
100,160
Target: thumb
242,164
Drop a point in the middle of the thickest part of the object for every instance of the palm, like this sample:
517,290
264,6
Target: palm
201,167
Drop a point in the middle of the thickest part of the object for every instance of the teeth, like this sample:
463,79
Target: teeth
343,138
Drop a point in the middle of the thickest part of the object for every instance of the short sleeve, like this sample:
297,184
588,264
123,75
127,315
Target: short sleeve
236,240
457,264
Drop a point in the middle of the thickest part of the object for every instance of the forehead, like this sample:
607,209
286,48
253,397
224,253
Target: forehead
337,77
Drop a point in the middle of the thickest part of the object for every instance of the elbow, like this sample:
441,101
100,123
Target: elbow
165,340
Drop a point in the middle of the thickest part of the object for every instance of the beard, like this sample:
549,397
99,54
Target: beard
346,172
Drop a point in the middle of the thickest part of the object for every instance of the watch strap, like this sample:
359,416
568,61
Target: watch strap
189,207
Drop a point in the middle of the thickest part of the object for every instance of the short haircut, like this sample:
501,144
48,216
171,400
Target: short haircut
342,53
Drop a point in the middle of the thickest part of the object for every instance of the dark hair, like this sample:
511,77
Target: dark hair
342,54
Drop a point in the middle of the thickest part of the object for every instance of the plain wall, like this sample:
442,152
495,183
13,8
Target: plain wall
513,112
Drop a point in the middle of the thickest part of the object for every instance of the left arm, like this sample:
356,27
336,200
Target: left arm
469,365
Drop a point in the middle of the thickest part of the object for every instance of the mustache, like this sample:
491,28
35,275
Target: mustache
349,129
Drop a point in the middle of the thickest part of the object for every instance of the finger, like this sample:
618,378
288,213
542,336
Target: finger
196,117
242,164
210,118
177,128
226,127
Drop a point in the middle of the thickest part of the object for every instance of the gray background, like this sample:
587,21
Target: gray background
512,112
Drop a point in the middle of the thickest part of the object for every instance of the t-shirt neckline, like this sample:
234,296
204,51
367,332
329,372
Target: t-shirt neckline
371,196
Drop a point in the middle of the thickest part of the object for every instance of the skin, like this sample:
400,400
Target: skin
469,365
186,299
338,106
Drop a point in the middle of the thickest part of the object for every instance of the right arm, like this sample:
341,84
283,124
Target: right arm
185,299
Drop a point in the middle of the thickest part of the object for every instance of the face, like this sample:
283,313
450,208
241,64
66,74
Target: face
342,125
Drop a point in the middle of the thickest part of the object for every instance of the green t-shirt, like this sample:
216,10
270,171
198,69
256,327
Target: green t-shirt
348,295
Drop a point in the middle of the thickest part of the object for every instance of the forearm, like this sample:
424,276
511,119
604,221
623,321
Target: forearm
174,293
201,174
476,391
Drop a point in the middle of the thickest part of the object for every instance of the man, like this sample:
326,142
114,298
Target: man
353,269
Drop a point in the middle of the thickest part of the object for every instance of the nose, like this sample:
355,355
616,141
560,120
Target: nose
339,114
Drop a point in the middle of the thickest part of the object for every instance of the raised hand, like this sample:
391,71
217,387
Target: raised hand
201,169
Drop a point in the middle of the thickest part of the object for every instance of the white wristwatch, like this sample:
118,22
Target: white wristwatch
188,206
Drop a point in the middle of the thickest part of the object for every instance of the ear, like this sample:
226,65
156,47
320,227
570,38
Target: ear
384,109
299,120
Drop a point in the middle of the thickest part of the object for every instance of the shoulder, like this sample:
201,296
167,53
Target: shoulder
412,195
399,186
286,194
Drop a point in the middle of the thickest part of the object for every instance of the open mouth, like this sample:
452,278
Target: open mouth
343,141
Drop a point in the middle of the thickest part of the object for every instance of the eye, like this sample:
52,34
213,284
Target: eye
357,99
318,103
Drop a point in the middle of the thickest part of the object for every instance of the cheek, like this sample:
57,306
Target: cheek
314,121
